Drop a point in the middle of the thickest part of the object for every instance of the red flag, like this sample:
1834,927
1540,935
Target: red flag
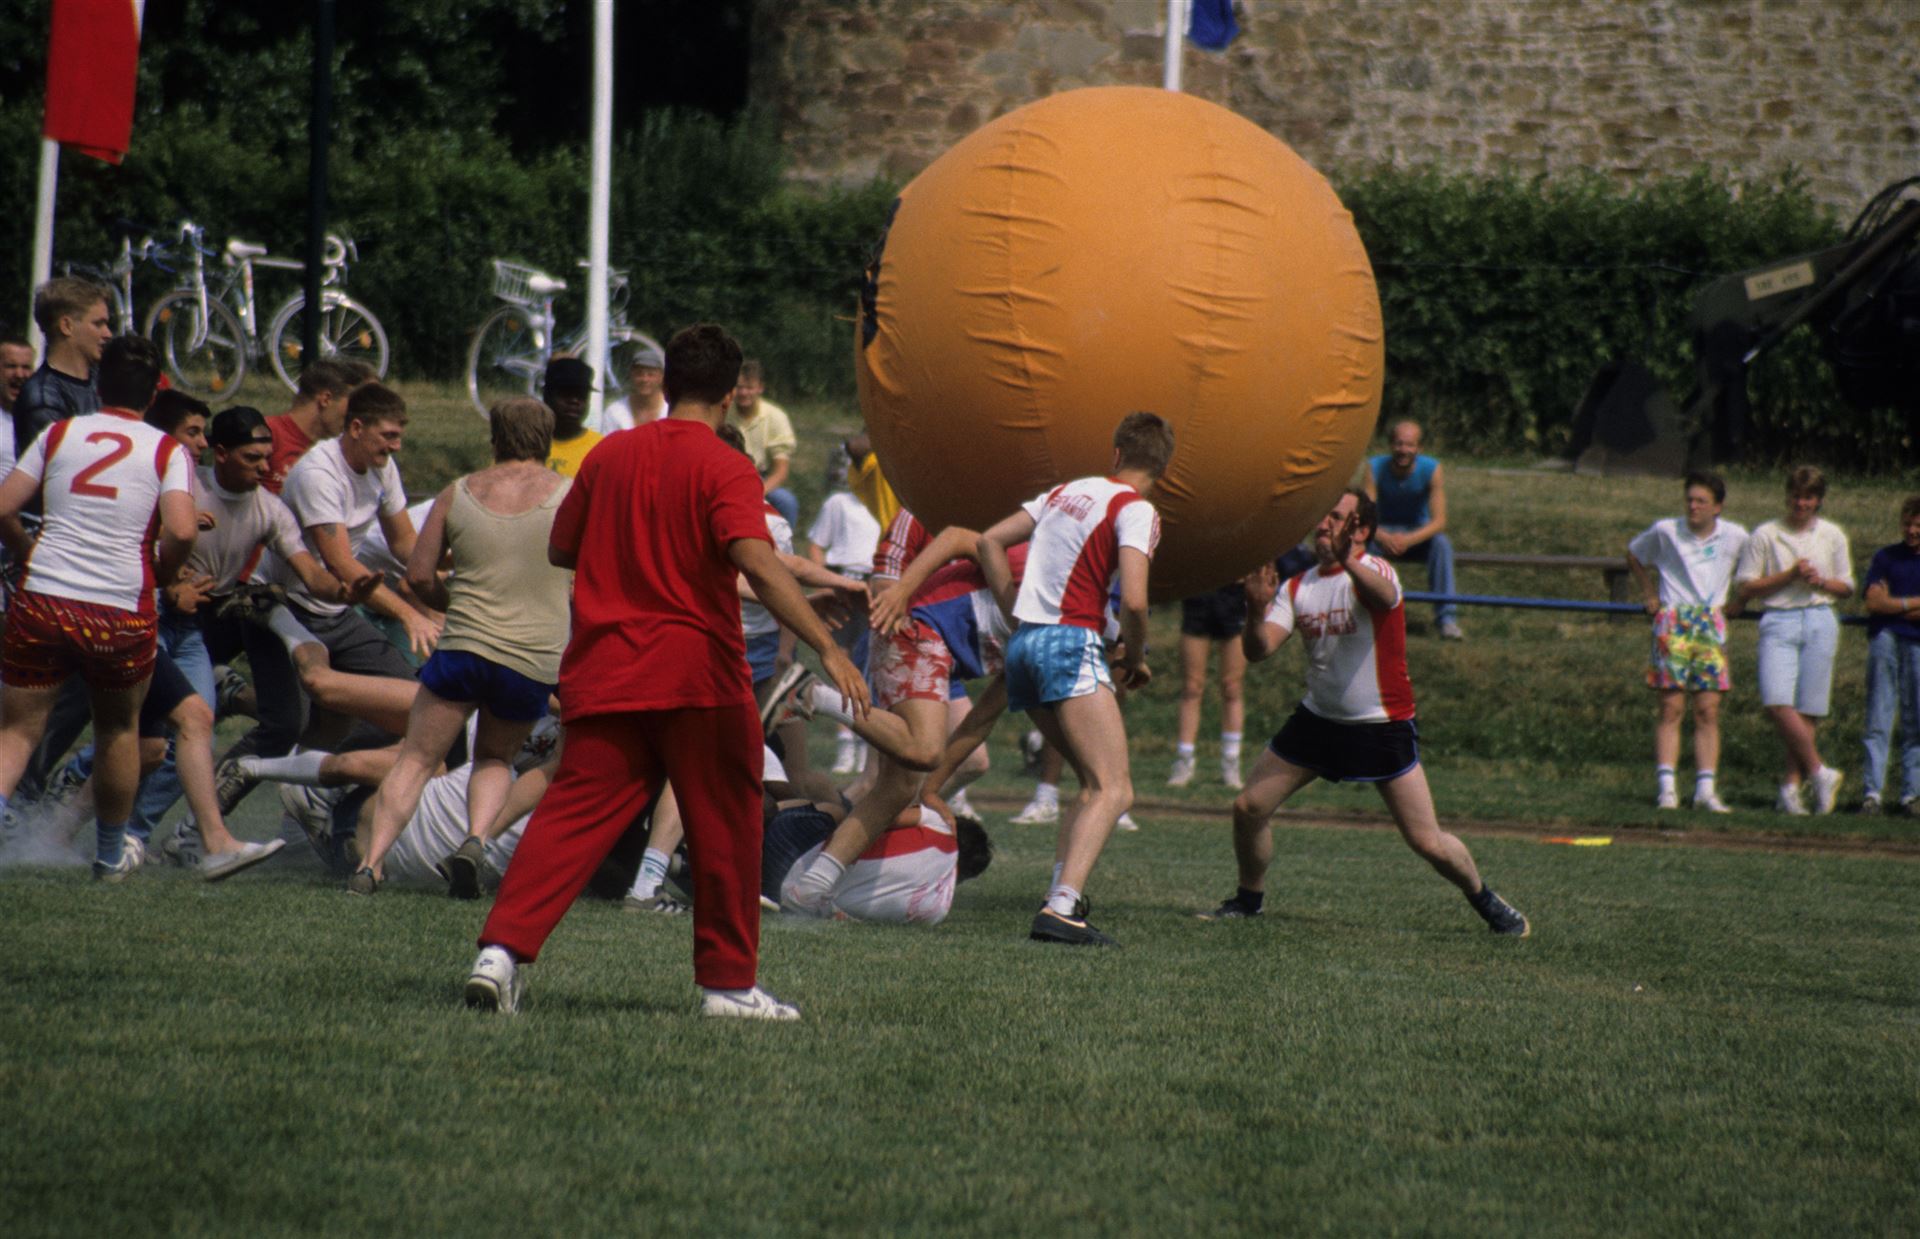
91,61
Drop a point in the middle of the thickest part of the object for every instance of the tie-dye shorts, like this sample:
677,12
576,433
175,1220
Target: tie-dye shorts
1689,650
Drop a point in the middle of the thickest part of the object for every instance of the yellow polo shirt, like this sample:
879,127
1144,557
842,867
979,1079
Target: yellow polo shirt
564,456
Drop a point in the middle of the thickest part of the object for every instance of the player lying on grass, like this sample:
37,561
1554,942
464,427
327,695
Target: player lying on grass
905,877
1356,722
1084,536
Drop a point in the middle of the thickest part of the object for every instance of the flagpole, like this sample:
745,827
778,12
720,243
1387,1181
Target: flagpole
1176,41
43,234
599,201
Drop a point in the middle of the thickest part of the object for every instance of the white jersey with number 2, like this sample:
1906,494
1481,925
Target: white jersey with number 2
101,477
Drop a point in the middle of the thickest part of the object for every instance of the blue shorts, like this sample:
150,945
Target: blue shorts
456,675
763,656
1051,663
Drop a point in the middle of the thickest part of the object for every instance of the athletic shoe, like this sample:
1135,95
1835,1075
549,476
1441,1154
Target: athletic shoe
1182,772
1032,745
667,905
961,806
1668,798
182,848
461,868
757,1004
363,882
1126,823
1826,789
249,601
789,696
217,866
495,984
312,809
1038,812
116,873
1871,807
846,757
1501,917
133,845
232,693
231,785
1231,909
1450,631
1789,801
1709,802
1050,926
1230,775
797,902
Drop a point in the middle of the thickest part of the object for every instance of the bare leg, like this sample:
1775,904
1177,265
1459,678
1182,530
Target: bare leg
23,716
193,758
1796,736
976,763
495,743
1095,736
382,700
1272,783
116,750
1410,801
434,723
895,786
1233,672
1706,731
1193,686
1666,727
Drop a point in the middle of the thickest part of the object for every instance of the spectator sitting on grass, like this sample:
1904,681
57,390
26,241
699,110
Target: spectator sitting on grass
1893,662
768,433
1793,569
1410,490
1684,566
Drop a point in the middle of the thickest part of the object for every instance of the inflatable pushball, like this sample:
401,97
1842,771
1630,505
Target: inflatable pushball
1113,249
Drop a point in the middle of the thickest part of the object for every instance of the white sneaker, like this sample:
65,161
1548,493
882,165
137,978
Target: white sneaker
1709,802
135,847
1038,813
1667,799
1789,802
1182,772
961,806
116,873
182,847
495,984
1125,822
846,758
1826,788
755,1004
215,866
1230,775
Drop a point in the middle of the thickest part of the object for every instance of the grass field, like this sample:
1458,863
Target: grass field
1694,1039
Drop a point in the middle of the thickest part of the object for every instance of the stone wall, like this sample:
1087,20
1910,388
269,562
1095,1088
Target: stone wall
1632,88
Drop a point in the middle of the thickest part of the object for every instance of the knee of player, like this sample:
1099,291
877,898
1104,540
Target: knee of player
193,718
153,751
1706,709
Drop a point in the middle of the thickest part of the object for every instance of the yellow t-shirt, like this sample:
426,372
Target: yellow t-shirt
564,456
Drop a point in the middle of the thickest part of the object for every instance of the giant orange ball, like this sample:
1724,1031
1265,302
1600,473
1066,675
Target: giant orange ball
1113,249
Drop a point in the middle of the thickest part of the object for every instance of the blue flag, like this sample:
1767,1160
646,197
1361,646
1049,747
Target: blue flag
1212,24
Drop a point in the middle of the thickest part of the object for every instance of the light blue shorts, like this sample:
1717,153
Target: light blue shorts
1796,658
1051,663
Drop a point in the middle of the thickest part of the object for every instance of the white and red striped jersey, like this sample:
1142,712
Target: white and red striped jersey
101,477
905,538
1078,530
1356,658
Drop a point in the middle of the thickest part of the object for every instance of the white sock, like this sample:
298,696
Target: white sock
1664,776
1183,750
1229,746
825,700
1702,782
845,735
817,884
295,767
1062,898
653,871
290,630
1046,793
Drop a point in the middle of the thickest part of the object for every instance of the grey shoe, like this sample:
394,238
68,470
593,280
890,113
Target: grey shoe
662,903
1450,631
363,882
218,866
461,868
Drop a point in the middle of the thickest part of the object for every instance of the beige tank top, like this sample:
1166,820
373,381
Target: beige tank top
506,603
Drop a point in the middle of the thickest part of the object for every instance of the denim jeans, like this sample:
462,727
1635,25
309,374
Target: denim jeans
1893,681
784,503
1437,553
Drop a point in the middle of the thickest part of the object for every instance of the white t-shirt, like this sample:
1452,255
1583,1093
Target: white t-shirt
376,554
244,521
1694,572
438,826
619,415
847,534
1774,548
322,489
756,620
906,878
1356,658
101,477
1073,556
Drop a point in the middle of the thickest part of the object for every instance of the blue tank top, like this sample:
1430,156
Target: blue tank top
1403,501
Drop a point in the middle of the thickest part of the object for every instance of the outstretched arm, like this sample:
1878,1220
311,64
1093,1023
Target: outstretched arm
1259,639
889,610
991,550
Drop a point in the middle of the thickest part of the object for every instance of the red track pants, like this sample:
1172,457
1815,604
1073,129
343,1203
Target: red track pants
610,765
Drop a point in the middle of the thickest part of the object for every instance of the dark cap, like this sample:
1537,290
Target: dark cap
240,424
568,374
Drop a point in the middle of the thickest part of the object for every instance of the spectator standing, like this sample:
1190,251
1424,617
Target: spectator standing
72,314
644,401
1893,663
768,433
1410,491
1210,621
568,387
16,365
1793,569
1684,566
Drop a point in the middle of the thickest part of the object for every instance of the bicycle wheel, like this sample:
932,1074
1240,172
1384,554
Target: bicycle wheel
205,357
622,347
348,332
506,358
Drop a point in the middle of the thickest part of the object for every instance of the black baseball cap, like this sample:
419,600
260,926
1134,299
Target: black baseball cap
241,424
569,374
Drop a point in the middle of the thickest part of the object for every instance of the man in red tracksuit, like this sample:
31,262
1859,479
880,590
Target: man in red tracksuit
654,684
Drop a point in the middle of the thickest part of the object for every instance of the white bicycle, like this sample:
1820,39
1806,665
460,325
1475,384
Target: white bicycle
208,333
512,345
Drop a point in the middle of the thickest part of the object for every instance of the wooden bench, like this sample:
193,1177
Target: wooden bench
1612,568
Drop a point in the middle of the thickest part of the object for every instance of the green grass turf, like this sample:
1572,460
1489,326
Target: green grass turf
1693,1040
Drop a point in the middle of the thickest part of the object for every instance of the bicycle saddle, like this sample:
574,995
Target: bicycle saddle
244,249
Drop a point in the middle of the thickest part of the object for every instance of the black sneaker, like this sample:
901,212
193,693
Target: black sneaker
231,785
1050,926
1233,909
363,882
461,868
1501,917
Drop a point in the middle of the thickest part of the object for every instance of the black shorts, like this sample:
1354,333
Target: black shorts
1217,615
1348,752
168,688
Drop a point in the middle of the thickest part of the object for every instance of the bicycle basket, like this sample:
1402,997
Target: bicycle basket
514,282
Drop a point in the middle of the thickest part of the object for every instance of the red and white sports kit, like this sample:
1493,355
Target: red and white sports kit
87,602
1356,658
954,630
653,686
906,878
1074,553
903,541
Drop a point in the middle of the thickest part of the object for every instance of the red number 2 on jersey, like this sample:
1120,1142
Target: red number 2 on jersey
83,483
